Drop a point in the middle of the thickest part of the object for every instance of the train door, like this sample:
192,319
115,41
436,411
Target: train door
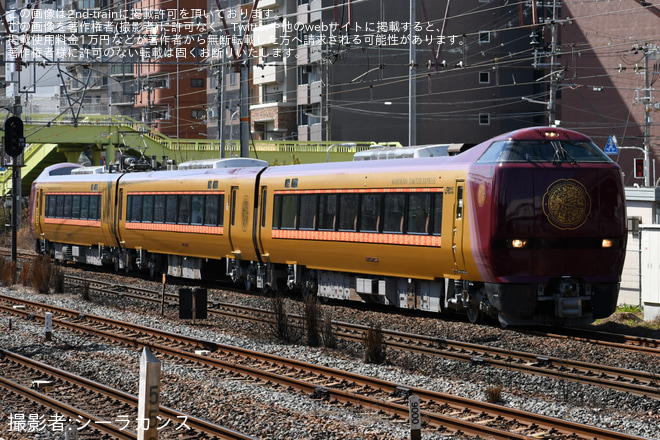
232,215
260,227
457,235
36,209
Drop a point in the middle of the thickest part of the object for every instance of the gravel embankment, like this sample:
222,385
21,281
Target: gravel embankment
266,413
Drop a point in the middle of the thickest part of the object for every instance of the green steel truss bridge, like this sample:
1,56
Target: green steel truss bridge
101,138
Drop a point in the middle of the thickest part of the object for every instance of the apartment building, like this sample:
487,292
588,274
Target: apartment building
338,70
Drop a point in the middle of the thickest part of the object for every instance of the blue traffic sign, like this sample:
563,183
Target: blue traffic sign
610,147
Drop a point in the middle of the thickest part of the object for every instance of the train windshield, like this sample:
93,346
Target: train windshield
550,151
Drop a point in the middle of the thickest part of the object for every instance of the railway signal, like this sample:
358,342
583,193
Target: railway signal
14,139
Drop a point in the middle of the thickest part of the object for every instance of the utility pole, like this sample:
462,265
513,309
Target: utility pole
244,65
648,97
412,86
222,73
553,74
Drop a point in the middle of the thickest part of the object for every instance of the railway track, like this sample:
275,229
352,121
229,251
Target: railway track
441,411
93,409
635,382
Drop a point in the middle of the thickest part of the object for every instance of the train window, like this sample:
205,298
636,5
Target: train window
308,205
75,206
94,210
395,206
263,207
147,208
197,213
67,206
419,213
135,206
60,206
234,190
171,208
543,151
277,211
437,213
159,208
84,207
290,203
183,216
211,209
370,212
348,209
327,212
459,202
52,206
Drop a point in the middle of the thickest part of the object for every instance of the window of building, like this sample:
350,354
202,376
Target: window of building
197,82
160,113
484,77
303,71
197,113
484,37
484,119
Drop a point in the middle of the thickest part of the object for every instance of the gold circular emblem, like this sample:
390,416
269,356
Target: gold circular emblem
567,204
481,194
245,213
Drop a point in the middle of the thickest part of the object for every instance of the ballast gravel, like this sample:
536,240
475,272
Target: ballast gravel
268,413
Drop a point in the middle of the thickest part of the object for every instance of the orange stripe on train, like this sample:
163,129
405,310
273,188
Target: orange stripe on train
72,222
359,237
165,227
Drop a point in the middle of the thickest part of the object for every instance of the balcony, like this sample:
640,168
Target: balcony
267,74
120,99
124,70
266,4
267,35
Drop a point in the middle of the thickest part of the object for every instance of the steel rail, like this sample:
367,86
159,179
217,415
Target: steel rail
491,410
121,396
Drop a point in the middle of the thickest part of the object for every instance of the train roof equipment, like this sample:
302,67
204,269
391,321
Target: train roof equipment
378,152
90,170
232,162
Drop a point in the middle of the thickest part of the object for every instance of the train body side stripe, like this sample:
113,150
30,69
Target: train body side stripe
167,227
359,237
72,222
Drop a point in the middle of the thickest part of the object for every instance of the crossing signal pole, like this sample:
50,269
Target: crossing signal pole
14,143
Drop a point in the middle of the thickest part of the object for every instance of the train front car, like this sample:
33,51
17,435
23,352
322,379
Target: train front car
555,246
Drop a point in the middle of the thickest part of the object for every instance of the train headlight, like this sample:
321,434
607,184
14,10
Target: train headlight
608,243
517,243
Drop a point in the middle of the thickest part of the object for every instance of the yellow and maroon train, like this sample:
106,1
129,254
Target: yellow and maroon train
528,227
